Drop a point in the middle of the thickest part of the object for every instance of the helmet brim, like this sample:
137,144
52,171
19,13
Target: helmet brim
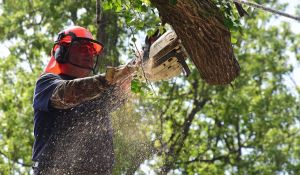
98,47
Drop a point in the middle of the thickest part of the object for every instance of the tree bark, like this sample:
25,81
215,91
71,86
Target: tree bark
108,34
200,26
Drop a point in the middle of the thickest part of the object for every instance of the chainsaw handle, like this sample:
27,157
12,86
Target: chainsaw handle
185,67
181,60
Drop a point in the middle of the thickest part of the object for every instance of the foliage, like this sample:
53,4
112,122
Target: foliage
188,127
249,128
232,19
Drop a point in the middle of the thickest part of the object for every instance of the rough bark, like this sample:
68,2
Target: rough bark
200,26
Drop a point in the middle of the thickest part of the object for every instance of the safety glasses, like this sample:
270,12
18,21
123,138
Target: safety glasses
81,53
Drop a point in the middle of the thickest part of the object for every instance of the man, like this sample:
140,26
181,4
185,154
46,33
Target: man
72,126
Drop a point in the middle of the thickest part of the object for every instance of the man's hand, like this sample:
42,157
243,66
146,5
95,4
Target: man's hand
121,77
117,75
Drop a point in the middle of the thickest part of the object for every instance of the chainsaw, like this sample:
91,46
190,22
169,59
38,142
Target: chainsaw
164,58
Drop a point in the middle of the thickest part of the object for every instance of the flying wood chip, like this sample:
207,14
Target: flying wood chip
200,26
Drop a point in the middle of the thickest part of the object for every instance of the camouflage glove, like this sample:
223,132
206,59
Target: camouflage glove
117,75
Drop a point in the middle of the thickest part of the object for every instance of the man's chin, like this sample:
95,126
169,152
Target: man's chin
76,71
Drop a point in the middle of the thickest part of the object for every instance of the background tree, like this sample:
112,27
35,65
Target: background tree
188,127
249,128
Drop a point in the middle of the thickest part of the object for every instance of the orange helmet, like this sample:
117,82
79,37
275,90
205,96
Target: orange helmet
67,37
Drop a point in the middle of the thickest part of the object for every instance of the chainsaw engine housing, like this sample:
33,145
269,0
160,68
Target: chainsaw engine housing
166,58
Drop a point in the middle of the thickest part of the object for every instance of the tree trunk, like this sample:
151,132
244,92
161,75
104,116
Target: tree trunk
108,34
200,26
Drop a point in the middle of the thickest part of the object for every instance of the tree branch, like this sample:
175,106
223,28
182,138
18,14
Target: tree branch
239,149
251,4
15,161
177,145
222,157
163,113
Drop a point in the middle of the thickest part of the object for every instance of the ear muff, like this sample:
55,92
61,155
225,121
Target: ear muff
60,54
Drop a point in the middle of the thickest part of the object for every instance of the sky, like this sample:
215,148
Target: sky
291,10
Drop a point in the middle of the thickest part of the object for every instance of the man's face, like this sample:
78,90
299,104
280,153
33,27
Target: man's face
82,53
81,59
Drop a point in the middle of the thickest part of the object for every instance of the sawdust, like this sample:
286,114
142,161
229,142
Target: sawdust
82,142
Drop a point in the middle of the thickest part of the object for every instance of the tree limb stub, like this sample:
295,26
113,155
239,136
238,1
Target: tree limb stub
200,26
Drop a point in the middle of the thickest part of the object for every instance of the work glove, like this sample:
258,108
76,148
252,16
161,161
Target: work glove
117,75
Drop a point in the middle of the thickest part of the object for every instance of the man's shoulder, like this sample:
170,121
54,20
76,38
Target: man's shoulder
44,88
48,75
47,78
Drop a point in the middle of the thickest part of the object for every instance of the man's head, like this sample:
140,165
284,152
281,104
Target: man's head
75,53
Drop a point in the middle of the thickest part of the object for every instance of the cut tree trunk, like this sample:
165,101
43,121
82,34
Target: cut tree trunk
200,26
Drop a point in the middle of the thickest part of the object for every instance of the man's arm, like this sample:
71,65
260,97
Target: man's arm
71,93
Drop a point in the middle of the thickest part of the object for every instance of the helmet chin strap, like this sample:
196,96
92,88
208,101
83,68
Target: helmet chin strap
96,67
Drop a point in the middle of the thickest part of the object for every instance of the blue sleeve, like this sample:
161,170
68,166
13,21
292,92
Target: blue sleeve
44,88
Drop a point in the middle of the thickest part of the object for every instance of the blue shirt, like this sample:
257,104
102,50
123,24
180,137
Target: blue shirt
44,114
77,140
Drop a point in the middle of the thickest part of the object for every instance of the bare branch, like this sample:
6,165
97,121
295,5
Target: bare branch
15,161
252,4
177,145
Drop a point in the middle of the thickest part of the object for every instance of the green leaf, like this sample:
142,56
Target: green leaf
228,23
173,2
136,86
150,32
233,40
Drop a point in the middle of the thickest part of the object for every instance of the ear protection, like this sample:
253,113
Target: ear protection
60,54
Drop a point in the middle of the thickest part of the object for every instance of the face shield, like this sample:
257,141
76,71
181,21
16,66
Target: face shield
82,53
